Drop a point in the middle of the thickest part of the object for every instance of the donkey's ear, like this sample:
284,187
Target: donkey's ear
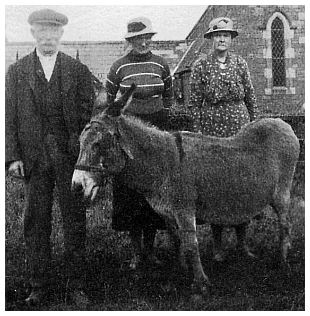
115,108
126,149
125,97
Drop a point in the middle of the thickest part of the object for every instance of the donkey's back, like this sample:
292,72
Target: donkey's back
236,177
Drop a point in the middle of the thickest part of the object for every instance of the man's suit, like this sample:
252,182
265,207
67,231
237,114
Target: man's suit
43,123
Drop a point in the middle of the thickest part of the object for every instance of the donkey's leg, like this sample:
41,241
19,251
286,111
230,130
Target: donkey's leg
241,240
149,234
218,253
281,204
178,250
151,222
189,245
136,238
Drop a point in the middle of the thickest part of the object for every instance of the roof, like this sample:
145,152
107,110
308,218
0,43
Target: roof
198,44
192,53
198,22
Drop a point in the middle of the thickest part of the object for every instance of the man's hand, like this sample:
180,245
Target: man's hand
16,169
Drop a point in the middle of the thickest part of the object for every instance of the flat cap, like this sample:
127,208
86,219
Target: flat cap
47,16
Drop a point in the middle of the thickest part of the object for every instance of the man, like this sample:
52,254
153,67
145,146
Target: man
49,99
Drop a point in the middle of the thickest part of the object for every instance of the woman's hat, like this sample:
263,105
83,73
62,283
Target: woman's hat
222,24
139,26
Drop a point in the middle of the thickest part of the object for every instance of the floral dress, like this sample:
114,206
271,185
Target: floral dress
222,97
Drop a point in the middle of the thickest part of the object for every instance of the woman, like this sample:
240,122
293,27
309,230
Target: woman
150,72
222,98
152,96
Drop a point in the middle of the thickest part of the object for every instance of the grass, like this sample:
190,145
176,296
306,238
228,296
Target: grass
238,284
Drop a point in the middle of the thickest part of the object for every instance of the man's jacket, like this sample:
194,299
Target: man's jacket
24,130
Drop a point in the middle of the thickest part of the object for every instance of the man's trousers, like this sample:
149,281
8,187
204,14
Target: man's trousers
54,168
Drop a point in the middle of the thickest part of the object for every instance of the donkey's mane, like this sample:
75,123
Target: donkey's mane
144,127
141,130
137,125
139,133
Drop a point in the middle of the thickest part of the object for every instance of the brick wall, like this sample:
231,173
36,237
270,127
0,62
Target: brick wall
99,56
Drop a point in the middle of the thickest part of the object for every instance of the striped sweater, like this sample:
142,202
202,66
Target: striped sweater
152,76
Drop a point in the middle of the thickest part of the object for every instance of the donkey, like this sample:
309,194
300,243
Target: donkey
191,177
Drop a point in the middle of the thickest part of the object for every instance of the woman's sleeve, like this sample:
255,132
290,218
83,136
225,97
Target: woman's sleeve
196,94
168,86
249,99
112,83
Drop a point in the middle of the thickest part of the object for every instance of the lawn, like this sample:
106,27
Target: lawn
238,284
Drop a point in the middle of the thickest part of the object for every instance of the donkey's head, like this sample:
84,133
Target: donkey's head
103,152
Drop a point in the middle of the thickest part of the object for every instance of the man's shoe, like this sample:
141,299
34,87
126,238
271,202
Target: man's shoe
80,299
37,296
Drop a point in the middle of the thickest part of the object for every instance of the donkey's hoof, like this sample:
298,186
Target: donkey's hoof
152,259
133,266
248,254
244,252
135,262
219,256
251,255
196,299
285,266
201,288
288,270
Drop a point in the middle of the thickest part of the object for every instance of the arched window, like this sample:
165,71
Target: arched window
278,53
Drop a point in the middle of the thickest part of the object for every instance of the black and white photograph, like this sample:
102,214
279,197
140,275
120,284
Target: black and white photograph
154,157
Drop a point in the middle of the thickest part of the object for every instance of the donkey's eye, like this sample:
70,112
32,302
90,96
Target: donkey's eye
106,142
96,147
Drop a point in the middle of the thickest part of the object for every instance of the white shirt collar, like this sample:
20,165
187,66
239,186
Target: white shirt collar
48,63
46,57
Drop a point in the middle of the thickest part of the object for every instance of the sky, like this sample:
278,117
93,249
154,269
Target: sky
107,22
